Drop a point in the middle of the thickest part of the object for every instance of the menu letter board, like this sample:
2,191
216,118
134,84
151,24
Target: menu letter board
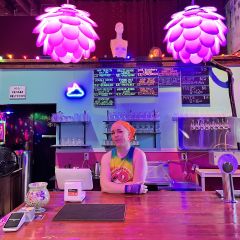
104,101
169,77
195,85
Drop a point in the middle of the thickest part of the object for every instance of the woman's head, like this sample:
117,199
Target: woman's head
122,132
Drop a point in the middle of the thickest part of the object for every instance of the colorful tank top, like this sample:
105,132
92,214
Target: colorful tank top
122,168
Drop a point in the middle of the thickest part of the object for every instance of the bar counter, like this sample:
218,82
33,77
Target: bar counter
155,215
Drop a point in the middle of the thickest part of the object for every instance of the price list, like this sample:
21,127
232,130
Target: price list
195,86
104,87
123,82
169,77
110,83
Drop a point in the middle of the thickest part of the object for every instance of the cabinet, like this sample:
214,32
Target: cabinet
11,191
146,123
66,142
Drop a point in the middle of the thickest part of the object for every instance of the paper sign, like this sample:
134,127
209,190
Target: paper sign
17,92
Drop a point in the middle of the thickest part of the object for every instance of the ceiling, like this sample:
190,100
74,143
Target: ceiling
36,7
28,7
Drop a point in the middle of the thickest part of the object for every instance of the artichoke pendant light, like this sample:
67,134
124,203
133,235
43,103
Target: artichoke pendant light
66,33
195,34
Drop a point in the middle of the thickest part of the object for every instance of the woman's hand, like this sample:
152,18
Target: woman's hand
136,188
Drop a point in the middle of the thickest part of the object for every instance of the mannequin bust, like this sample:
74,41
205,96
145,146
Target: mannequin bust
118,45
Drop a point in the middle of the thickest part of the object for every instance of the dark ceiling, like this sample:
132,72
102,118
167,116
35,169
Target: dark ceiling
28,7
36,7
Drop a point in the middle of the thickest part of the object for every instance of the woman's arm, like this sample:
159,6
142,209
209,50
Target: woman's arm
140,166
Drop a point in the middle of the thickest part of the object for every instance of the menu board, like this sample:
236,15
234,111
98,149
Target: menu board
134,82
122,82
195,85
169,77
104,101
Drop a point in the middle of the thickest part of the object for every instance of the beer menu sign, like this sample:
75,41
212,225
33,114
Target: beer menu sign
122,82
110,83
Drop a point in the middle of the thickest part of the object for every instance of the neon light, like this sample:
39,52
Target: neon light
75,91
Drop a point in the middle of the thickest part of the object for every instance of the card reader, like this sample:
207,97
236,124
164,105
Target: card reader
14,222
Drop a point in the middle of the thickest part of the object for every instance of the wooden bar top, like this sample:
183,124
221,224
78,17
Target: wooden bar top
156,215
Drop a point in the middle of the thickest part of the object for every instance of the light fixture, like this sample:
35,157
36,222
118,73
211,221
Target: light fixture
195,34
75,91
66,33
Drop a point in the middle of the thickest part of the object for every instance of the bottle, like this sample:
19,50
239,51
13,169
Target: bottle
97,169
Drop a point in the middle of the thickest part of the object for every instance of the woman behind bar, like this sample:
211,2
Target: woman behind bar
124,168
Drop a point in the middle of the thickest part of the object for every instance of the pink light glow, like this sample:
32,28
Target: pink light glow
195,34
66,33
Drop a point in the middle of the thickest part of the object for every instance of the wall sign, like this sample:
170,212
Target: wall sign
123,82
146,81
195,86
17,92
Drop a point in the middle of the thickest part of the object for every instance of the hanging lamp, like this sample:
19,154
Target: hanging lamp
195,34
66,33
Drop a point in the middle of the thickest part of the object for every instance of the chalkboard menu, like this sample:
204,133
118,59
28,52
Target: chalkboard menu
121,82
207,133
169,77
133,82
104,101
195,85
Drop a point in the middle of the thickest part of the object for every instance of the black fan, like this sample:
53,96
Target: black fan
8,161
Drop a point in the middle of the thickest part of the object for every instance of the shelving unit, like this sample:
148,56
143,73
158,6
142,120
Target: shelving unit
60,125
137,123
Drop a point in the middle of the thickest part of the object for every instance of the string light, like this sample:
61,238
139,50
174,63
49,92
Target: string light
10,56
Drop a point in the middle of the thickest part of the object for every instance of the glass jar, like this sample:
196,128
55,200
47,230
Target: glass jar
37,196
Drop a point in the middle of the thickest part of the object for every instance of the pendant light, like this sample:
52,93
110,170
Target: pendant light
66,33
195,34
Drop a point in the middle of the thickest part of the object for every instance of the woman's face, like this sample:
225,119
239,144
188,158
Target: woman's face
120,135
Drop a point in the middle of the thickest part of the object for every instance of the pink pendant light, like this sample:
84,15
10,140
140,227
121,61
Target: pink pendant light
66,33
195,34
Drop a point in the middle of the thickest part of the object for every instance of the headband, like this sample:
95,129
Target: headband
129,127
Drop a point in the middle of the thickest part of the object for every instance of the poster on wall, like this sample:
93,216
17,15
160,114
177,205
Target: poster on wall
2,132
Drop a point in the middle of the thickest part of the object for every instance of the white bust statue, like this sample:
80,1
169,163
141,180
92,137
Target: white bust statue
118,45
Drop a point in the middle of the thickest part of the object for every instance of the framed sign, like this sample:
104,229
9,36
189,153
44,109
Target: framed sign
17,92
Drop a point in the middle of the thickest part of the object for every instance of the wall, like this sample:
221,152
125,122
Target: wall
233,20
48,86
